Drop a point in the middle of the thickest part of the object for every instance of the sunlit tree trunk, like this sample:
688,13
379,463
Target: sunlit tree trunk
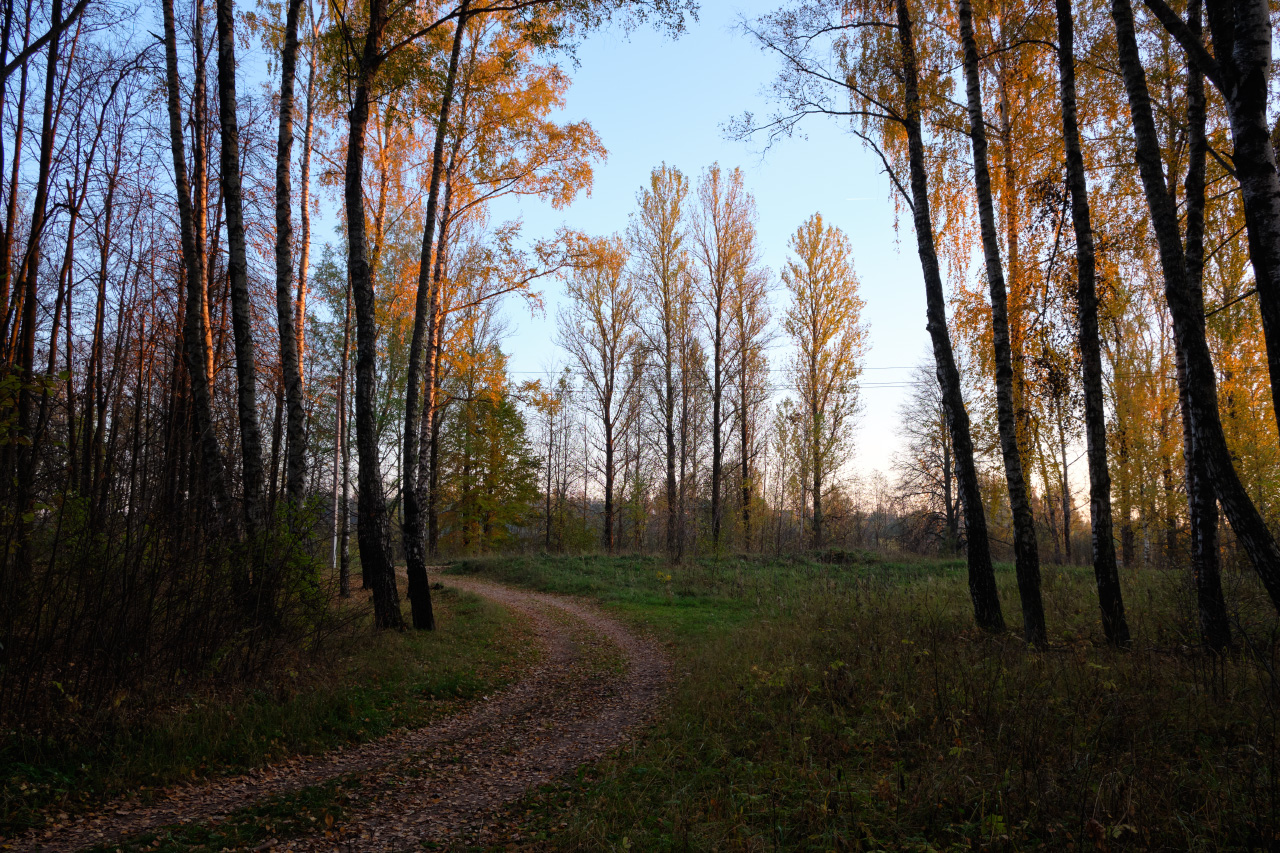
7,305
372,531
304,203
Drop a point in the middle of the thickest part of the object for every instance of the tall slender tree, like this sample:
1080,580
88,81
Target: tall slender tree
425,307
748,324
656,237
1240,67
288,322
1188,317
824,323
1026,551
238,272
875,76
195,329
599,331
1106,574
372,528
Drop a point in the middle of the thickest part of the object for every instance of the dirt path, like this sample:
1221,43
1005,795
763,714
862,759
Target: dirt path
596,682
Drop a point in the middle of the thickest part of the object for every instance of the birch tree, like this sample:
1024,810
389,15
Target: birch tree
864,61
1027,554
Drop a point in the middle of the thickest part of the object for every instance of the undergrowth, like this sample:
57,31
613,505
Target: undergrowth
854,707
361,685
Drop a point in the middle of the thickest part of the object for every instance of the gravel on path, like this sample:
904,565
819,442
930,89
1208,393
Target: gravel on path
596,682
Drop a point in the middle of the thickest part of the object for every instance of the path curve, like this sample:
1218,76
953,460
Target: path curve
565,711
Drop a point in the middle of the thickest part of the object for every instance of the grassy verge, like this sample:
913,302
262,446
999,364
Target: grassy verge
365,685
853,706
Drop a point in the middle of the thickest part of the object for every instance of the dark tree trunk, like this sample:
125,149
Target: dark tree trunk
1066,491
1246,37
669,434
744,427
287,323
816,421
372,528
1240,67
431,410
238,271
339,468
982,579
341,457
433,479
608,483
1215,628
1026,552
1188,322
1105,572
412,530
195,329
29,269
94,367
551,449
717,439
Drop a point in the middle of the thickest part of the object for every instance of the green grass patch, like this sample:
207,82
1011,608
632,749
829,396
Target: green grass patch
365,685
851,705
704,596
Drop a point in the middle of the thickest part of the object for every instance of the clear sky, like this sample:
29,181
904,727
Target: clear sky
653,99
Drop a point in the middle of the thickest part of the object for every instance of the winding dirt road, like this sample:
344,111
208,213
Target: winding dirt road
596,682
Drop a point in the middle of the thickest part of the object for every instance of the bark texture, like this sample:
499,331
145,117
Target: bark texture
1026,551
238,272
1105,572
982,579
1188,318
195,329
1215,627
413,526
1240,67
372,526
286,323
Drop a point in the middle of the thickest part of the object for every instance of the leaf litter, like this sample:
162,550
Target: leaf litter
446,782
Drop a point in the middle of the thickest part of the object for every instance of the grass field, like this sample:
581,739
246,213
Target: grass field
850,705
363,685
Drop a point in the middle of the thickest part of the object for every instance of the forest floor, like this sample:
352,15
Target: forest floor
844,701
834,701
438,785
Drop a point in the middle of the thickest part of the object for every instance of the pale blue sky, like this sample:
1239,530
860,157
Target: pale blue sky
653,99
